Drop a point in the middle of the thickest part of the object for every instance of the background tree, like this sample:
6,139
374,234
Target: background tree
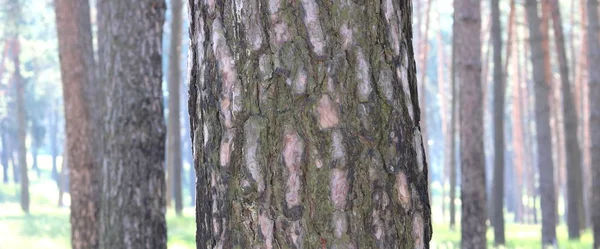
298,111
132,208
467,17
78,77
174,161
542,116
594,115
498,182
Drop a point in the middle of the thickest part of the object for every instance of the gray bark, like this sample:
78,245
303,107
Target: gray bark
594,118
467,18
174,161
306,129
542,116
570,124
132,211
77,73
498,181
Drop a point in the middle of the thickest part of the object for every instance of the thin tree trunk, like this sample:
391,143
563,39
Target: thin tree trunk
442,94
573,155
423,85
132,211
293,146
21,126
77,73
542,116
498,182
453,123
63,178
585,110
467,19
173,128
594,114
53,139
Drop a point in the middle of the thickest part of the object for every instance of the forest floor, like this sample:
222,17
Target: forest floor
47,225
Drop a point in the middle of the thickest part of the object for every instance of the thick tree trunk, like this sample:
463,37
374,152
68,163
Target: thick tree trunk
453,123
594,115
467,18
173,128
498,182
78,77
542,116
132,211
305,130
573,153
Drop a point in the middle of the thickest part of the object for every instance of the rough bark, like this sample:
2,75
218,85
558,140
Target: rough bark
305,129
77,73
542,116
498,182
573,153
174,161
453,123
594,114
467,18
132,212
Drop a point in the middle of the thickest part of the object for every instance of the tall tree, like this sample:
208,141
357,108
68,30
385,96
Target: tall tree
542,116
453,122
573,153
132,212
467,19
424,50
292,140
594,114
174,161
14,10
498,183
78,78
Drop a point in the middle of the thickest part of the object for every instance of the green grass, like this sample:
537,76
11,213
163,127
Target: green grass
47,226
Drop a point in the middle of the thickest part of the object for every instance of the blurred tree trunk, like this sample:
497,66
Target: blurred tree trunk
424,49
583,68
21,120
78,79
498,183
53,120
542,116
467,18
291,137
453,123
573,155
594,114
174,161
443,102
132,212
63,178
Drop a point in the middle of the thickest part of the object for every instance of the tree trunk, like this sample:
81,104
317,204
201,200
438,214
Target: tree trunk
53,139
424,49
132,212
594,114
78,78
443,102
4,154
583,68
542,116
453,123
573,155
304,129
468,73
498,182
173,128
63,178
21,125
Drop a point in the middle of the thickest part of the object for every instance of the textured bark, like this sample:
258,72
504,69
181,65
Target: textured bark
542,116
453,123
305,125
132,212
77,73
498,182
594,114
573,153
174,161
467,18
